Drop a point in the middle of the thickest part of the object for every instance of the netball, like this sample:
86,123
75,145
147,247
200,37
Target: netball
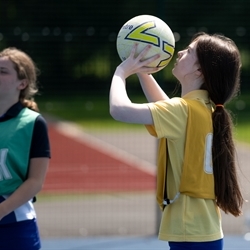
144,30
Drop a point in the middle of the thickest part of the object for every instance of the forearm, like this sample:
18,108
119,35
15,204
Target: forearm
22,195
151,88
121,108
36,176
118,98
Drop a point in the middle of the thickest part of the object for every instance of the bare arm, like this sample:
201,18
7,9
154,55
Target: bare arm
151,88
121,108
37,172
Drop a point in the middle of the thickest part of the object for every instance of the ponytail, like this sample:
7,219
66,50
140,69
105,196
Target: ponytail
31,104
227,191
220,64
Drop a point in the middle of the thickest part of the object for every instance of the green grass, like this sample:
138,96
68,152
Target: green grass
240,108
242,132
92,112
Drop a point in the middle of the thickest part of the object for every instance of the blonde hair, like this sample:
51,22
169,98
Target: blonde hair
26,69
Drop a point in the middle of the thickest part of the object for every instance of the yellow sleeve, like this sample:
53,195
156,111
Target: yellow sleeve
169,118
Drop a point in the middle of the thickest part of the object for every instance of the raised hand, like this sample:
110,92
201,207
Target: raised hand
136,64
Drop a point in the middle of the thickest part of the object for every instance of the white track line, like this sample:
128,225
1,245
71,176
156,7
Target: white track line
75,132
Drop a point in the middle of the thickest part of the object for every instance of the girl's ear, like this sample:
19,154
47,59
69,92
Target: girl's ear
198,72
23,84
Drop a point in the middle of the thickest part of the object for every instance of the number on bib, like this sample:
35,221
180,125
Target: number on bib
208,163
4,171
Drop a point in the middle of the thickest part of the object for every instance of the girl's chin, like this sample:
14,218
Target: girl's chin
174,72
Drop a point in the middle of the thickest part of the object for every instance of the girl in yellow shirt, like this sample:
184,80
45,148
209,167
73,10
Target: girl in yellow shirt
196,166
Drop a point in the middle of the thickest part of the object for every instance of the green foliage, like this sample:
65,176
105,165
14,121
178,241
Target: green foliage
74,42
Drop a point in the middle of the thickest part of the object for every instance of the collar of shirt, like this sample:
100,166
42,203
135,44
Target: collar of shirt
13,111
197,94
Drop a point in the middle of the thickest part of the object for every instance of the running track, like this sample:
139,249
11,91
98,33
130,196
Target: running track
79,164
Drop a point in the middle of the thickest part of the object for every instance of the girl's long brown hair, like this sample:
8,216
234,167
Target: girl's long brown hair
220,64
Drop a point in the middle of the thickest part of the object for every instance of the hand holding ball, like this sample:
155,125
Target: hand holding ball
144,30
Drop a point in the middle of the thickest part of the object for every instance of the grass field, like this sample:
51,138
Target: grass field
92,112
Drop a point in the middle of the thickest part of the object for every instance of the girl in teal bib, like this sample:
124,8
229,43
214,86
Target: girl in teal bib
24,151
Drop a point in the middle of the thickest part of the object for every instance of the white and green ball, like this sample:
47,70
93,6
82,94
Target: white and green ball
144,30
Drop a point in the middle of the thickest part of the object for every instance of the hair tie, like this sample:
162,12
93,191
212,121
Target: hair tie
219,105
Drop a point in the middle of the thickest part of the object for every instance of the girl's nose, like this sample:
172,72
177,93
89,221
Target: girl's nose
179,53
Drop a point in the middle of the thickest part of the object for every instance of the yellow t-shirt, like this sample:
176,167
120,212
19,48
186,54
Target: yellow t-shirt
188,218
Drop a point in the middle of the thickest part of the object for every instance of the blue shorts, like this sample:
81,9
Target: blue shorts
20,235
208,245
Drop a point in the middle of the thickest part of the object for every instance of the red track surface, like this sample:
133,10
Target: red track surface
77,167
